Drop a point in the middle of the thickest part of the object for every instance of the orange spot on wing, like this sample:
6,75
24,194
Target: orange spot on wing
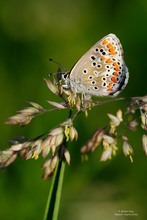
113,53
116,66
105,42
112,50
114,79
115,74
103,58
109,45
110,86
108,60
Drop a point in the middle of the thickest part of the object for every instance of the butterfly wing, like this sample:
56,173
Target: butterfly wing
101,71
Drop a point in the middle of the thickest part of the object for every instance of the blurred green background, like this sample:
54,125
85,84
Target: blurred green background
30,32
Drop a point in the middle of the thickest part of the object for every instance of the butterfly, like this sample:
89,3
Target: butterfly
101,71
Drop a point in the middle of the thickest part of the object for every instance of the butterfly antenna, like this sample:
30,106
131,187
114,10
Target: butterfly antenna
59,64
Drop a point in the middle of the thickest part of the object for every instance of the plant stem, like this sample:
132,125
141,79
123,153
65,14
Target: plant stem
53,202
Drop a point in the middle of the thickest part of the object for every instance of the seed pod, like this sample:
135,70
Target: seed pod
108,139
56,131
119,114
67,156
36,105
132,125
52,140
10,160
54,162
29,111
16,147
57,105
73,134
116,121
51,86
143,119
127,149
124,138
78,103
106,155
46,163
46,142
59,139
144,142
47,173
45,151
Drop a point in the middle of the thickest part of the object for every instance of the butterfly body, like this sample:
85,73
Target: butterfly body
101,71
